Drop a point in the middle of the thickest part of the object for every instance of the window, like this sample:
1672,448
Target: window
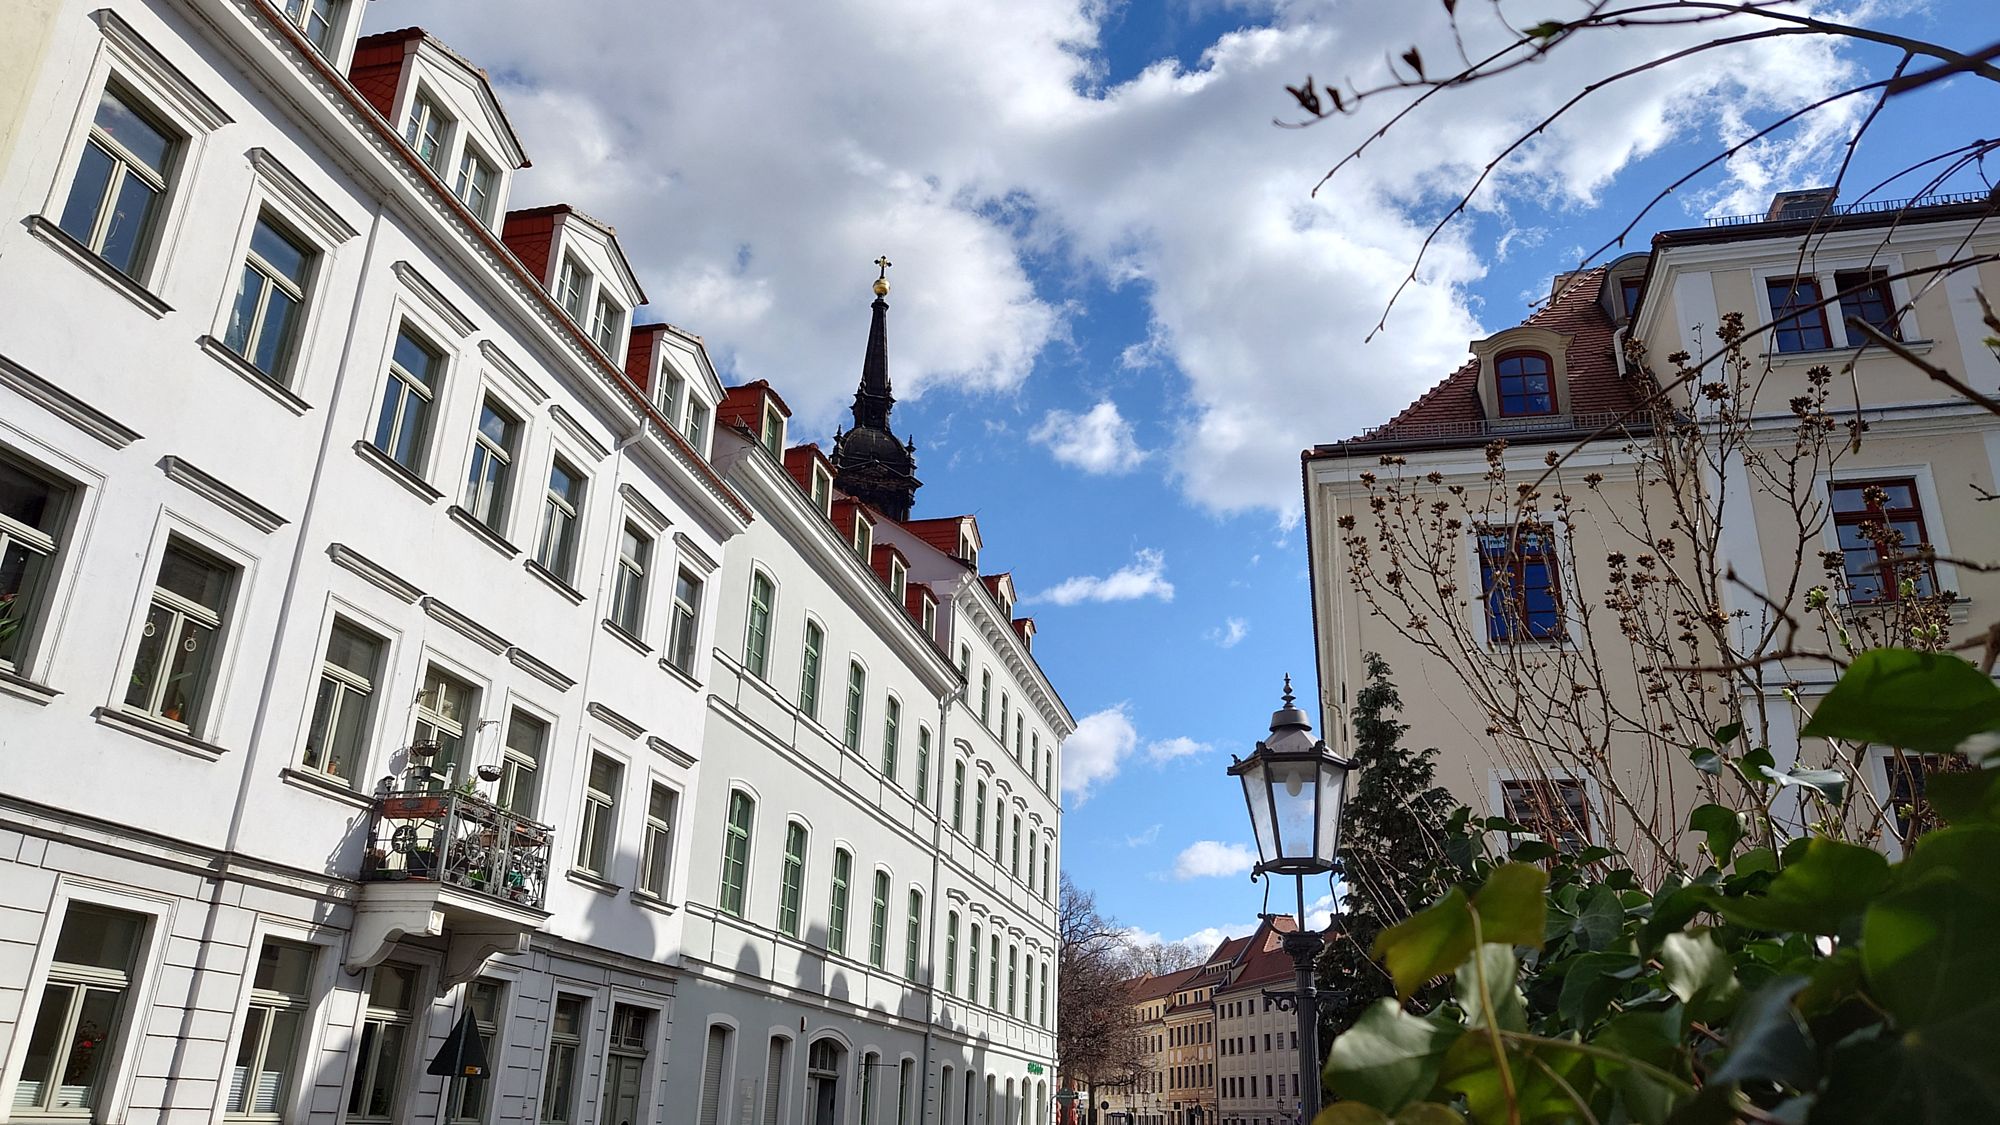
736,851
1020,739
1031,863
878,921
81,1020
1878,523
1555,809
892,718
316,19
985,697
560,508
714,1076
999,823
870,1063
1014,848
656,849
114,202
1908,774
1013,976
1034,755
178,642
474,186
337,740
668,398
1043,1001
924,766
972,966
1525,383
773,435
864,536
757,643
628,591
1004,706
1865,296
264,321
1048,867
1628,294
930,617
913,935
836,914
857,686
487,478
559,1068
993,972
625,1062
32,510
403,427
822,489
444,712
426,131
951,952
774,1080
521,763
791,889
898,579
385,1036
573,289
1048,772
965,668
697,423
267,1056
1798,319
469,1095
809,670
600,815
606,318
1518,580
687,621
906,1089
958,796
979,815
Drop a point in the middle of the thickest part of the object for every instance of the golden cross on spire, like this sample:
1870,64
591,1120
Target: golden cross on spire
882,280
885,263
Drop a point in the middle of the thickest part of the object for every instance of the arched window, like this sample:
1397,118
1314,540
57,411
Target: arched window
1526,384
757,641
792,889
836,915
736,851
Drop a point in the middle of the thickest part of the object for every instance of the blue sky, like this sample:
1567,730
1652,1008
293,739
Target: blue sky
1118,314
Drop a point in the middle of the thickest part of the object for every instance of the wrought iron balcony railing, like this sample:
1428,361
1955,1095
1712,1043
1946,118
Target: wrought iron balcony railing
461,840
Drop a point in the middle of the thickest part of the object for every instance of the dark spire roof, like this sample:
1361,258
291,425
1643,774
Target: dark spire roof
870,463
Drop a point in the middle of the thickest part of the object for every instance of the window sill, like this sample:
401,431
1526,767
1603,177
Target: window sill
77,252
13,683
153,730
249,373
596,883
418,486
325,786
480,531
1828,355
619,631
679,673
653,902
554,581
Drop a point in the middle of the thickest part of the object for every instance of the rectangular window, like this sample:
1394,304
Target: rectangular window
177,644
1628,294
1020,739
1034,755
857,687
425,131
1798,320
606,318
561,508
1880,523
492,467
993,973
625,1077
791,887
687,622
958,796
913,935
951,952
470,1095
81,1020
600,815
1042,1002
985,698
656,850
114,202
315,18
809,663
757,639
774,1080
1519,583
32,510
979,815
267,1056
1048,869
573,289
628,591
930,617
1014,848
822,490
1555,809
566,1029
1031,863
898,579
402,427
878,921
892,719
924,766
736,852
999,825
972,966
1865,296
264,320
864,536
474,186
337,740
1013,976
773,435
1005,706
384,1042
696,430
521,763
714,1076
444,713
668,399
836,914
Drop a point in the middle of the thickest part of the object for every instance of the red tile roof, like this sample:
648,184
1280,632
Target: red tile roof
939,531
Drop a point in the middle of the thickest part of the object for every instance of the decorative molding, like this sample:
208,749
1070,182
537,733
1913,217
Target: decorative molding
133,50
684,677
521,658
249,373
354,562
984,766
127,287
432,299
614,720
206,485
669,751
577,433
689,551
279,181
464,626
644,509
957,895
481,532
418,486
326,787
15,684
154,731
529,389
65,405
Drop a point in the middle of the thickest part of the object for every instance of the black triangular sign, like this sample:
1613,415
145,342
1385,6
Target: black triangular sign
463,1055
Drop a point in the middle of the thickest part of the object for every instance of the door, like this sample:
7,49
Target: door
623,1085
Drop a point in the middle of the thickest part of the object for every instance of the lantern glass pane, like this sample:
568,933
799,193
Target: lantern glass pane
1257,791
1333,793
1295,801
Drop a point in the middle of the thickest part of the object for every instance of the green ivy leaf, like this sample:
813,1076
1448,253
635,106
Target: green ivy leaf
1707,761
1602,920
1591,982
1728,733
1923,701
1830,784
1724,828
1511,906
1768,1040
1700,973
1437,939
1389,1058
1501,1005
1545,30
1965,798
1532,851
1927,946
1828,883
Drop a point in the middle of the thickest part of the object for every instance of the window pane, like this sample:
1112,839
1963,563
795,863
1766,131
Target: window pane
194,649
284,967
192,578
280,1054
243,315
139,137
98,937
131,214
86,192
285,257
412,356
274,335
152,648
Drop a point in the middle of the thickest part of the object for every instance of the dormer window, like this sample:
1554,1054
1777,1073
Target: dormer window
1006,606
1628,294
864,536
474,187
1526,384
606,318
426,131
316,19
968,552
669,395
774,430
573,288
697,422
822,490
898,578
930,617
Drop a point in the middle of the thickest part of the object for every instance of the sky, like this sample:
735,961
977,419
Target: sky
1120,310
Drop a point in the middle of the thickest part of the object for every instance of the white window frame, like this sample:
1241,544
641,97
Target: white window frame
899,579
684,630
695,426
304,291
597,816
605,320
656,842
631,582
559,552
573,287
822,489
362,1070
772,438
426,117
354,690
470,161
793,876
431,394
812,667
667,399
493,1035
299,14
182,610
864,535
64,496
756,652
574,1044
495,497
515,761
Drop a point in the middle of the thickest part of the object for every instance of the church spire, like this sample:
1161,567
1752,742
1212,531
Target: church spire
869,462
873,399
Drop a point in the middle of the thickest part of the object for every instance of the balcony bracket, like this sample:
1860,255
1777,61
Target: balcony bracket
382,920
469,951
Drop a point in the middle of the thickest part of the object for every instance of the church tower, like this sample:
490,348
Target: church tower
869,462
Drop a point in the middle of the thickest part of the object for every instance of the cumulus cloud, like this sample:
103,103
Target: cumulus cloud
1206,939
1230,633
1097,441
1207,859
1169,749
1144,577
1093,753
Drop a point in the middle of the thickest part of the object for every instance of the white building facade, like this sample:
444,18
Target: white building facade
369,603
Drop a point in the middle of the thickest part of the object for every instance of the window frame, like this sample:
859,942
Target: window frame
606,318
427,109
597,816
839,897
684,630
481,1088
892,735
133,984
271,1001
733,898
792,879
387,433
1507,783
757,619
855,714
346,682
301,291
443,726
182,611
19,648
630,578
142,102
1889,592
492,463
1498,629
656,842
470,154
570,1044
516,762
1523,395
812,663
878,919
913,934
329,39
1800,314
365,1065
572,290
558,548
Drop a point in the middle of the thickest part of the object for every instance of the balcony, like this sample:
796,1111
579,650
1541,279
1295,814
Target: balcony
454,865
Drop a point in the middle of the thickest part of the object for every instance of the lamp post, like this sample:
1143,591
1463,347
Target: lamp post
1294,787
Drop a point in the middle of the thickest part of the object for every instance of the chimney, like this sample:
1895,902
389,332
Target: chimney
1806,203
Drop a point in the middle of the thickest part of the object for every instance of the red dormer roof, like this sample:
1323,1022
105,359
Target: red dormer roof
879,560
530,234
800,459
744,406
377,72
1025,628
943,532
846,509
1001,586
640,350
914,597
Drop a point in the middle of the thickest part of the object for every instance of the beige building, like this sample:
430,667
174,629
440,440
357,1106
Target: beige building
1257,1045
1144,1100
1529,606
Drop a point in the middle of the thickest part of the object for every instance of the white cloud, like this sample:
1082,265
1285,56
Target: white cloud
1094,752
1169,749
1206,939
1145,838
1231,632
1206,859
1137,936
1144,577
1099,440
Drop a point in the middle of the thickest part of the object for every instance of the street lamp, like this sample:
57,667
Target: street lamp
1294,787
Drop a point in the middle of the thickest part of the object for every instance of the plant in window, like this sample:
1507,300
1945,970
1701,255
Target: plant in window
177,642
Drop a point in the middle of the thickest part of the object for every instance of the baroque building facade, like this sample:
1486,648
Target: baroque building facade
397,635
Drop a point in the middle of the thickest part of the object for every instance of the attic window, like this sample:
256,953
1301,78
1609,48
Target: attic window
1526,385
1628,294
671,385
864,536
898,578
426,131
774,430
316,19
475,184
822,490
1006,605
573,288
696,431
967,551
930,617
605,320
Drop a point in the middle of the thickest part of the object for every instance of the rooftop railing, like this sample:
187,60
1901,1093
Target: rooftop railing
1810,209
1490,428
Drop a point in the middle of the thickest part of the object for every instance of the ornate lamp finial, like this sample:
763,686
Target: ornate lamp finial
882,281
1288,690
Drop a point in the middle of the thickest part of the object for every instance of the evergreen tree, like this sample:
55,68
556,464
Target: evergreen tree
1394,850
